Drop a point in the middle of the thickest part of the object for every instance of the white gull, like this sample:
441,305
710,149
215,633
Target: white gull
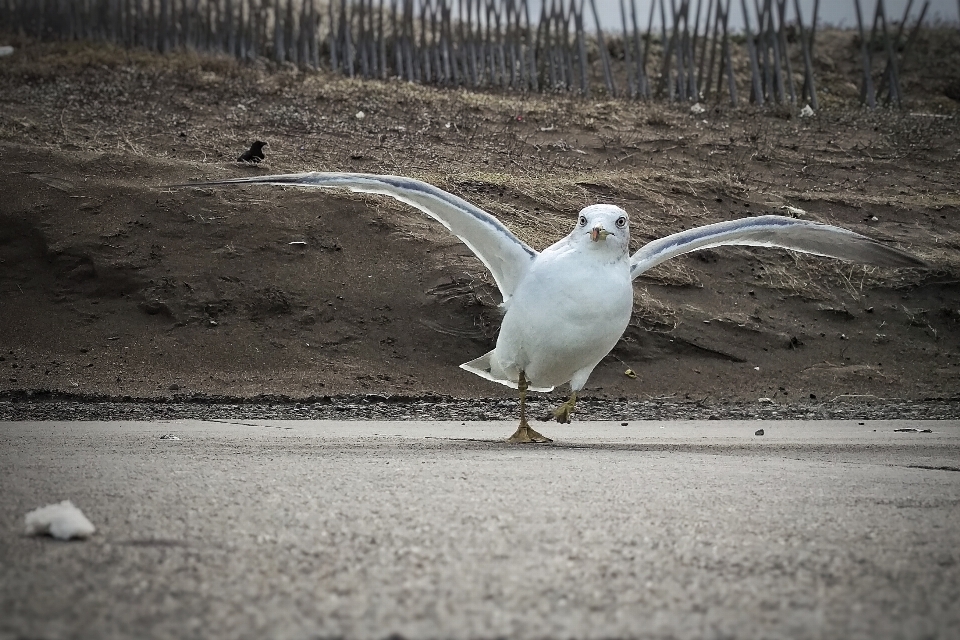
566,307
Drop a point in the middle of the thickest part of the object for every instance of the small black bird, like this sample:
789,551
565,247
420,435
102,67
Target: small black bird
254,153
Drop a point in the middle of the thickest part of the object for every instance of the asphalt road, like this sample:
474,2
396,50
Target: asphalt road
270,529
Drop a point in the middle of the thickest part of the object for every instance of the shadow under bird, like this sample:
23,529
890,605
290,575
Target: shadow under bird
566,307
254,153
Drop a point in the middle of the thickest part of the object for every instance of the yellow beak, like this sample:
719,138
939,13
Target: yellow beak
598,233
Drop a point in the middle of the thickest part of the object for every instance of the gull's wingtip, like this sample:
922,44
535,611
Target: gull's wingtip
181,185
885,255
285,178
910,261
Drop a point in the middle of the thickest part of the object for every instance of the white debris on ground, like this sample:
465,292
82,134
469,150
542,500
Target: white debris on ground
63,521
795,211
697,109
6,50
806,112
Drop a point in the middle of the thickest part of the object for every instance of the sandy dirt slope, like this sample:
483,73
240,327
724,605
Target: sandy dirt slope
111,283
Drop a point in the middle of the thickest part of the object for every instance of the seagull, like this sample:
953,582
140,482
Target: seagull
566,307
254,153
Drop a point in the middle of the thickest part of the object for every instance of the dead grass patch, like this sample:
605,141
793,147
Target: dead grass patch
652,312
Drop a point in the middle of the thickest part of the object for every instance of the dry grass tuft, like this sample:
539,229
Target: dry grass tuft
673,273
653,313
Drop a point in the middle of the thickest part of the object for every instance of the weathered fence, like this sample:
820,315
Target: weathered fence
556,46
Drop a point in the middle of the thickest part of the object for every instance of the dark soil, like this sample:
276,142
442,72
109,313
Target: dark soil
114,286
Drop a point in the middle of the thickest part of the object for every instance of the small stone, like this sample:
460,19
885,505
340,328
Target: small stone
758,432
154,307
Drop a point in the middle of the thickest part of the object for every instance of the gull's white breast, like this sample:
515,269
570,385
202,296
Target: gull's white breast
566,314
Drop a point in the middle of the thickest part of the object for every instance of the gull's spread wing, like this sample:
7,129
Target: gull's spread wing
774,231
503,253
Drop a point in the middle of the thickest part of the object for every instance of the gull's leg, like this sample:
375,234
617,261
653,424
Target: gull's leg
524,434
562,413
577,382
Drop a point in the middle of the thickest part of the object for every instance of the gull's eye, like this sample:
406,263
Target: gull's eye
583,221
621,221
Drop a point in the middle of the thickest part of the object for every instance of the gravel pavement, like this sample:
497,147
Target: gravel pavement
42,405
254,528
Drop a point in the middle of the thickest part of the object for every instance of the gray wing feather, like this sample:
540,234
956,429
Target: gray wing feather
503,253
774,231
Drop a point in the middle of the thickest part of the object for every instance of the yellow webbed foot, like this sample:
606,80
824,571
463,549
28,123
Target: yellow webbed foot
562,413
526,435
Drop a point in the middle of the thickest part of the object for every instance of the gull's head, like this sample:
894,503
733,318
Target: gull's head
603,226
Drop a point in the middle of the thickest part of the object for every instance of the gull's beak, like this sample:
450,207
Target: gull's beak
598,233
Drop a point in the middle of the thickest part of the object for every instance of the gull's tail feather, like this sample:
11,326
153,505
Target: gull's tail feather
775,231
483,367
